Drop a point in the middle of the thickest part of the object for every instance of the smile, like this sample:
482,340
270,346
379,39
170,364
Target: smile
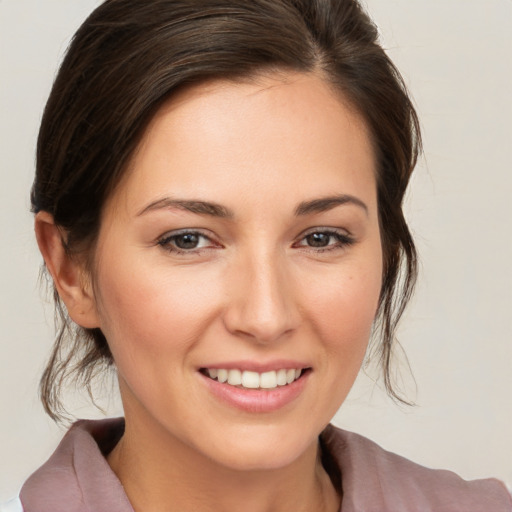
254,380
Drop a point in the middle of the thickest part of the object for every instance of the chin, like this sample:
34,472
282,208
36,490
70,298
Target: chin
261,448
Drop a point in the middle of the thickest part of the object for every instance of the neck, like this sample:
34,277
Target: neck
159,473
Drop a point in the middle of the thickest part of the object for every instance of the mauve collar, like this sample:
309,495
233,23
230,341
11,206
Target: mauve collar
77,477
375,480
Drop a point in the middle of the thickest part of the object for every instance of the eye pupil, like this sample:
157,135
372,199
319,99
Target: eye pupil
187,241
318,239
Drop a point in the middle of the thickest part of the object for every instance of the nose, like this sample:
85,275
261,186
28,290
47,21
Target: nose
262,303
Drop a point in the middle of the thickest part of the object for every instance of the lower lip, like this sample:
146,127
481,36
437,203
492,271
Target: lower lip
257,400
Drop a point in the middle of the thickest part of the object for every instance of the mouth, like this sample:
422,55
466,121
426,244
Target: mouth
245,379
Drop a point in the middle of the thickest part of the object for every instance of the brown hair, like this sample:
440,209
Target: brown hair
129,56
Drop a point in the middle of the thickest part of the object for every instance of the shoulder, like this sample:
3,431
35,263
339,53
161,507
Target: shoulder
376,479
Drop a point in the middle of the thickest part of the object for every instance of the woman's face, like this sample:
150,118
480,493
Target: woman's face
243,244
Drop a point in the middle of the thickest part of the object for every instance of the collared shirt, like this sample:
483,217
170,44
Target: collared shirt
77,478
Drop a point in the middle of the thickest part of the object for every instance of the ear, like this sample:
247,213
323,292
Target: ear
69,275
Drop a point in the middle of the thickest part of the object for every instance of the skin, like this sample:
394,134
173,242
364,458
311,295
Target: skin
255,289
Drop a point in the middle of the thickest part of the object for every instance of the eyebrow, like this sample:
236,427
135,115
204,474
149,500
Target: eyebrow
328,203
199,207
216,210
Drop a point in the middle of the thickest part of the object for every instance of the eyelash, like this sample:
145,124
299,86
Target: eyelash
166,242
343,240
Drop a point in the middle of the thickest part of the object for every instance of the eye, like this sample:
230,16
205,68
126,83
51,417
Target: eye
325,239
319,239
185,241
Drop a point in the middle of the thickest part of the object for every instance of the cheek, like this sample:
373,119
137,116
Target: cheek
149,311
346,330
343,311
345,305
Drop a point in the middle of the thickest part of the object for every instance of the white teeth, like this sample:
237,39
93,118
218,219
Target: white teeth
234,377
250,380
281,377
268,380
255,380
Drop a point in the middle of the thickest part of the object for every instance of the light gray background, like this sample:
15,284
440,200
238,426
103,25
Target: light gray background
456,59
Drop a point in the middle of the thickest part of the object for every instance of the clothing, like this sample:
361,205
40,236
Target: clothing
13,505
77,477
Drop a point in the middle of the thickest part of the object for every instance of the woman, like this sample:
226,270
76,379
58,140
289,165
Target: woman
218,201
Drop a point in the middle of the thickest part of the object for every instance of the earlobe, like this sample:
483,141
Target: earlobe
68,274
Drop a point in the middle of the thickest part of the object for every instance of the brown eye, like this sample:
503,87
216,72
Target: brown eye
318,239
187,241
325,240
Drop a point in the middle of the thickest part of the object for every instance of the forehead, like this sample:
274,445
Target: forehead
281,132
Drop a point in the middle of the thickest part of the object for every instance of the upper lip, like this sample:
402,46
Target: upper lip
255,366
